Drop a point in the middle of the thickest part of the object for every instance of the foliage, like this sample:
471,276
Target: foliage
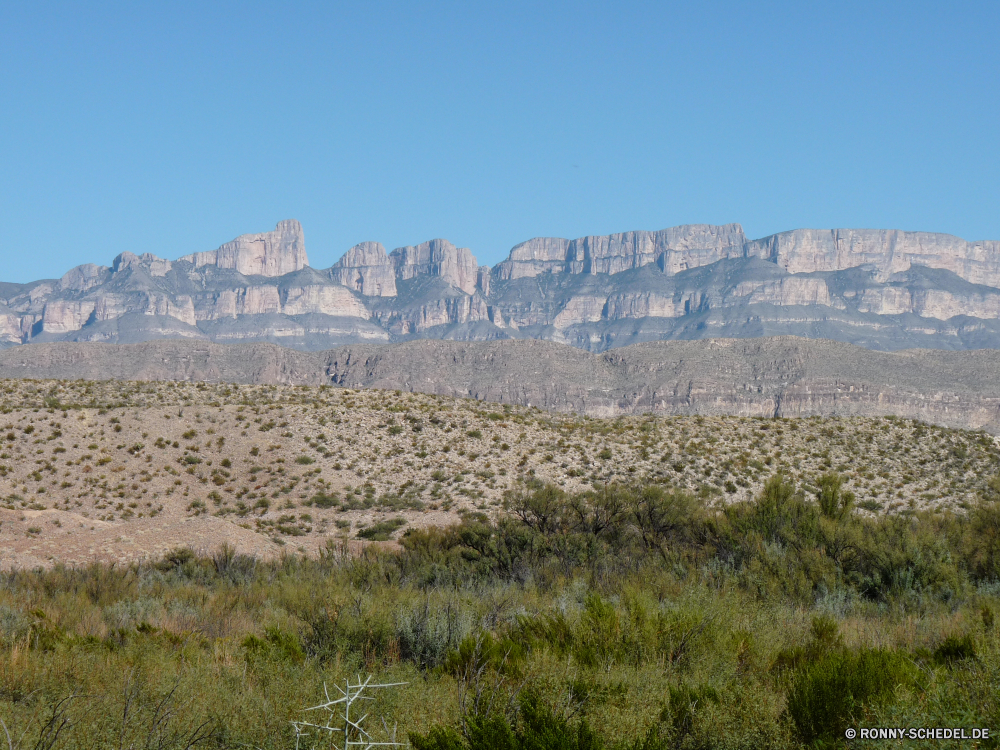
634,616
832,692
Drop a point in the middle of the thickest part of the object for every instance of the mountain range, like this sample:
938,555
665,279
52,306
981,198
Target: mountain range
880,289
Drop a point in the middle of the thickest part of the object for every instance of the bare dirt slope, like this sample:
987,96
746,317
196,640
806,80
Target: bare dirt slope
117,470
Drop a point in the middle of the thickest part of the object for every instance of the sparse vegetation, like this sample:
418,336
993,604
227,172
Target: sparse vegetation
643,582
637,616
175,450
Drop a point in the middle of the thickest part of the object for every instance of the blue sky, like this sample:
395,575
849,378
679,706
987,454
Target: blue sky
173,127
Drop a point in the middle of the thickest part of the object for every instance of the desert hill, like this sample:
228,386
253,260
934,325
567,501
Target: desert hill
119,471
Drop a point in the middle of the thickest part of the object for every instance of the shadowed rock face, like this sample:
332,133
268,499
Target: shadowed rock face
881,289
366,269
771,377
454,265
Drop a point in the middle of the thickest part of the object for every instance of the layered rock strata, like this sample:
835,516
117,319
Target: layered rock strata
883,289
267,254
771,377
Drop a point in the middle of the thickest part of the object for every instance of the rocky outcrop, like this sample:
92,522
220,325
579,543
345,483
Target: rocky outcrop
454,265
10,326
366,269
673,250
268,254
765,377
440,311
324,300
882,289
62,316
146,262
83,278
889,251
232,303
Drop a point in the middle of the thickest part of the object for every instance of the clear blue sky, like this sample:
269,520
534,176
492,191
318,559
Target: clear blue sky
173,127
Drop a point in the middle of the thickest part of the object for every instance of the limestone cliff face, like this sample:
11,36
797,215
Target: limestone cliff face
442,311
781,292
146,262
84,277
367,269
455,265
268,254
64,316
111,306
884,289
650,305
582,309
928,303
674,250
888,250
324,300
786,292
10,326
232,303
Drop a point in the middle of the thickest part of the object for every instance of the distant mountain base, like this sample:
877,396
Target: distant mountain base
762,377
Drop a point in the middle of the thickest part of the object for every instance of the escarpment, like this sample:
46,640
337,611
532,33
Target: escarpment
766,377
881,289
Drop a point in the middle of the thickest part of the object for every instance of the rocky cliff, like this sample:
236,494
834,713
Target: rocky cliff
773,377
882,289
268,254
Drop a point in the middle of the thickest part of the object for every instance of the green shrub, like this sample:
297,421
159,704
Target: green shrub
830,693
322,500
383,530
834,501
537,727
276,645
955,648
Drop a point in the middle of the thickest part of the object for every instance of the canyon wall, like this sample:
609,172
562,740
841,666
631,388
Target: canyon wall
882,289
769,377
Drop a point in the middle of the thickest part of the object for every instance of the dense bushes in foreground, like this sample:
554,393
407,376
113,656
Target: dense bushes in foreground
628,617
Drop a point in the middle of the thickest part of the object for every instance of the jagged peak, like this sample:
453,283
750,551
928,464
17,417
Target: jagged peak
266,254
364,254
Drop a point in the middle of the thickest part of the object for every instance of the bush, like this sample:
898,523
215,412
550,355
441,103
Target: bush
955,648
383,530
322,500
830,694
277,645
834,502
537,727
